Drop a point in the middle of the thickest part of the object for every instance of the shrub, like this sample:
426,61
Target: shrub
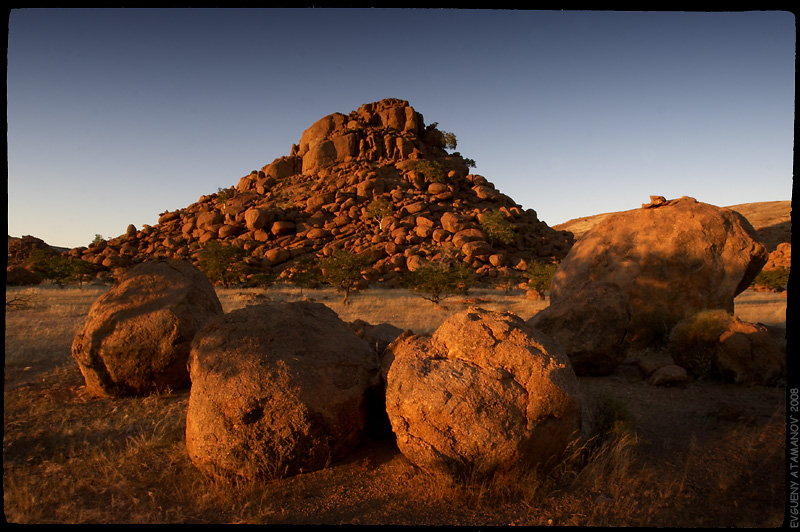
540,275
432,170
304,272
694,340
223,264
449,140
777,279
379,208
440,279
58,268
498,228
224,194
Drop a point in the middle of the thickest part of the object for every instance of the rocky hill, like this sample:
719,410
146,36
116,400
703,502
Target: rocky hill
376,181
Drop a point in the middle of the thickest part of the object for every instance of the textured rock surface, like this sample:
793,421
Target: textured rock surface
748,353
277,389
484,393
137,336
590,324
672,258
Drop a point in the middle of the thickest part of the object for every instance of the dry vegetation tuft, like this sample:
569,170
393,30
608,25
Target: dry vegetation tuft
707,454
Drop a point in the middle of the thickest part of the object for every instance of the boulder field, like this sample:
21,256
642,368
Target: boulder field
376,181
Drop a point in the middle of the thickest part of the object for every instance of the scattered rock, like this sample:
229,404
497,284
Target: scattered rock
749,354
669,375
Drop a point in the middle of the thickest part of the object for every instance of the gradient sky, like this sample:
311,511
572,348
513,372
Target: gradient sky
117,115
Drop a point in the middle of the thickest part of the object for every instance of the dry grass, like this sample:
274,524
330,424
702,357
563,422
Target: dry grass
768,308
401,308
649,457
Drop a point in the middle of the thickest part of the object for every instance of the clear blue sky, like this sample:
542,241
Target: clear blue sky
117,115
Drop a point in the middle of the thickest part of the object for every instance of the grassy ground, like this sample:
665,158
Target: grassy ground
704,455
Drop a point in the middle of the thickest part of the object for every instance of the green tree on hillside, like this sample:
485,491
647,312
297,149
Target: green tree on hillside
498,228
449,140
432,170
304,273
378,209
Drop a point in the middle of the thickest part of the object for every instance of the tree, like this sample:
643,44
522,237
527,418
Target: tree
432,170
378,209
498,228
304,273
344,270
58,268
223,263
440,279
449,140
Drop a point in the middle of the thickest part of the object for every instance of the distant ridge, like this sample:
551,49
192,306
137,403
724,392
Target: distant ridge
772,220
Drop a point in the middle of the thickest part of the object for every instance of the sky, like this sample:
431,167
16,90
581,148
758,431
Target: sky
117,115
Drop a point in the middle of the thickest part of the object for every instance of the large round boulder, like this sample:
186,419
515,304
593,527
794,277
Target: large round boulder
590,325
137,336
484,393
277,389
672,258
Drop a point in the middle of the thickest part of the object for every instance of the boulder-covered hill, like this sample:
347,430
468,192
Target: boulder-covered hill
376,181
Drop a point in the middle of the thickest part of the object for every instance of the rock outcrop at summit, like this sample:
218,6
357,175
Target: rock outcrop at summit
376,181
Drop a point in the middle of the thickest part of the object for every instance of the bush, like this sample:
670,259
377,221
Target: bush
224,194
694,340
440,279
498,228
432,170
60,269
379,208
449,140
540,275
223,264
304,273
776,280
